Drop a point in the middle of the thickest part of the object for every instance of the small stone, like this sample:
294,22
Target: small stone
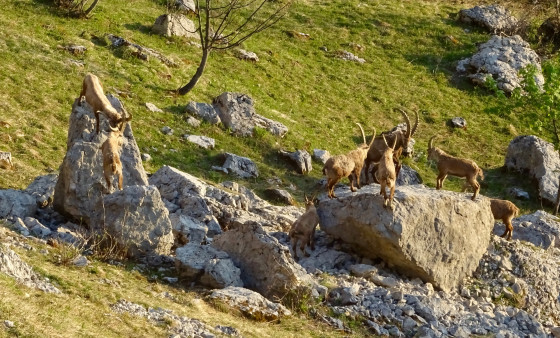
167,130
146,157
191,121
458,122
9,324
152,107
80,261
171,280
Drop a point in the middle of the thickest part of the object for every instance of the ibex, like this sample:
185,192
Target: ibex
303,229
386,175
377,147
348,165
506,211
93,93
455,166
110,150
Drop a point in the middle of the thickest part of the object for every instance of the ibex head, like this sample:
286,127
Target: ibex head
432,153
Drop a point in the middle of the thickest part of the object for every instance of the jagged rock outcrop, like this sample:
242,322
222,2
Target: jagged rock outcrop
174,24
81,184
250,303
539,228
237,112
16,203
300,158
137,220
502,58
12,265
266,265
539,159
204,265
43,189
496,19
435,235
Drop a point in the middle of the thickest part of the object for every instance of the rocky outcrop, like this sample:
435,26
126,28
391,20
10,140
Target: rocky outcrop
437,236
42,188
81,184
250,303
502,58
12,265
539,228
174,24
238,165
539,159
137,220
204,265
300,158
16,203
266,265
496,19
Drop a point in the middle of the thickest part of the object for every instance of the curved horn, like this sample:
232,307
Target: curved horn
415,124
385,140
372,138
407,120
113,128
363,134
431,142
394,144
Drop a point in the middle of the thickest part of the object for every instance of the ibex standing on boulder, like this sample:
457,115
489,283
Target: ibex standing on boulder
377,147
93,93
451,165
110,149
506,211
303,229
386,175
349,165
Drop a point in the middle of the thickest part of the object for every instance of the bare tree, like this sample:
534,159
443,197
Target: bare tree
77,8
225,24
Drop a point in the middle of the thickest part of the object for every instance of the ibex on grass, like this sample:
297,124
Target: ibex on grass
349,165
377,147
303,229
506,211
93,93
386,175
451,165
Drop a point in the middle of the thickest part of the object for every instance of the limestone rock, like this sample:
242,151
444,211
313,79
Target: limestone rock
201,141
205,111
280,195
496,19
16,203
43,189
408,176
12,265
240,166
458,122
246,55
539,159
153,108
539,228
237,113
187,229
250,303
174,24
321,155
435,235
266,265
300,158
137,220
204,265
502,58
186,5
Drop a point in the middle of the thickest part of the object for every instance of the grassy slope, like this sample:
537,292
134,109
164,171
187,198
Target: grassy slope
410,62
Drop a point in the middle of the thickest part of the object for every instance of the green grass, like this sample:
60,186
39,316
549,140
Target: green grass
410,62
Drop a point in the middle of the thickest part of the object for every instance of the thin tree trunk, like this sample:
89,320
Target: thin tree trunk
189,86
91,7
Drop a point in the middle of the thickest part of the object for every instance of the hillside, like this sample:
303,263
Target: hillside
410,62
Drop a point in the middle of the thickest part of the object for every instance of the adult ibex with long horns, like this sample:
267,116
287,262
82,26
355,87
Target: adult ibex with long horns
397,136
451,165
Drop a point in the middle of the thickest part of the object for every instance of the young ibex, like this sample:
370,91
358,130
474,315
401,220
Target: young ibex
110,150
349,165
506,211
386,175
377,147
303,229
93,93
455,166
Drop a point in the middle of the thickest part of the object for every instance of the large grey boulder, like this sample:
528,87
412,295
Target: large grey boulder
438,236
266,265
42,188
301,159
502,58
174,24
237,113
539,228
187,229
186,5
81,184
204,265
137,220
16,203
241,166
250,303
408,176
205,111
495,18
539,159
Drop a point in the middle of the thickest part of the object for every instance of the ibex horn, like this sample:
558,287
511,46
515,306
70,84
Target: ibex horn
373,137
407,120
385,140
363,134
113,128
431,142
415,124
